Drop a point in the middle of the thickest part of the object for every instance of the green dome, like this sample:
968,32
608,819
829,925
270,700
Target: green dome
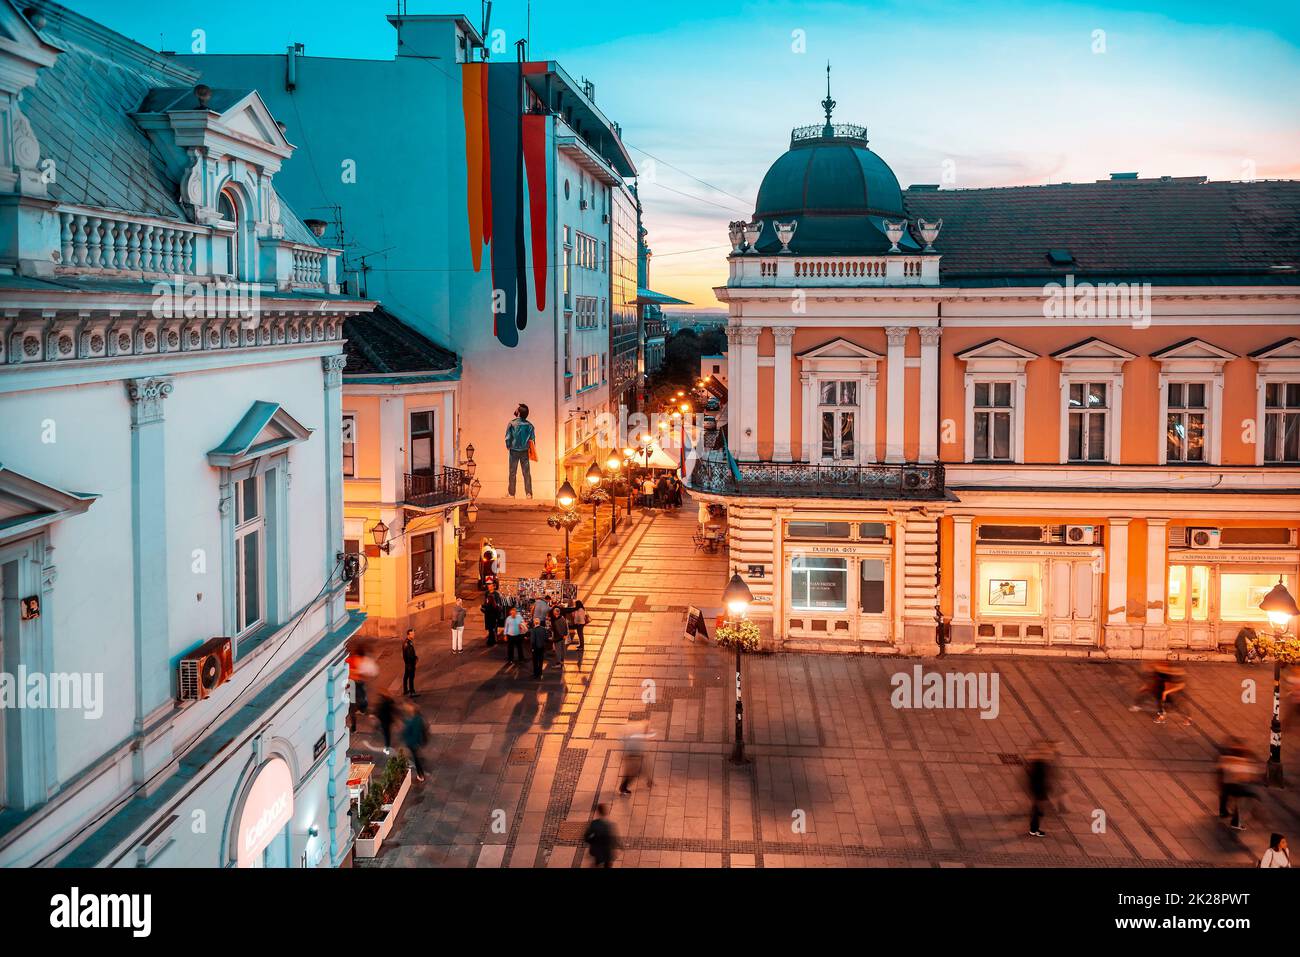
836,189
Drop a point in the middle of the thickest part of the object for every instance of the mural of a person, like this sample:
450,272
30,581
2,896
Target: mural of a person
519,441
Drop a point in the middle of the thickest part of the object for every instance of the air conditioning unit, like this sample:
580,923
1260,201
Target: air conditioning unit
1203,537
604,217
1080,534
204,670
583,204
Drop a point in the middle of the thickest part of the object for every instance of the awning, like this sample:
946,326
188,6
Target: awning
648,297
659,459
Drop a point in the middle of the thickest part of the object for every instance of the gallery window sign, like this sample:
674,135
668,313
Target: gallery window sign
267,808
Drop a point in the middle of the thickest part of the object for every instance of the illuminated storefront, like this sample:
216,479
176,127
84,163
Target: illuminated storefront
1043,594
837,580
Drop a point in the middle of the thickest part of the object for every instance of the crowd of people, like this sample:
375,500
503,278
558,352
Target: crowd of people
662,492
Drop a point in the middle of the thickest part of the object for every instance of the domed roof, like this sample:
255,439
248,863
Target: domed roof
836,189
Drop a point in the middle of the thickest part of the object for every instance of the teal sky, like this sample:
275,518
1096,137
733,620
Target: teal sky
988,94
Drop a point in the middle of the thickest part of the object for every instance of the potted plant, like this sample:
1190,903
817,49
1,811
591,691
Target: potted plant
380,803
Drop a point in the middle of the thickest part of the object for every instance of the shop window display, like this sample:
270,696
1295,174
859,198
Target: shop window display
819,584
1011,589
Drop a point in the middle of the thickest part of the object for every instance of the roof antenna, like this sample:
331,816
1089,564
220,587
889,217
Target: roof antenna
828,104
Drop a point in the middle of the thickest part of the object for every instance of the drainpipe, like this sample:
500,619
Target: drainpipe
292,52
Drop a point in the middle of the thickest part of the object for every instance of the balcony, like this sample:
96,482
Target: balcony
723,475
437,489
896,269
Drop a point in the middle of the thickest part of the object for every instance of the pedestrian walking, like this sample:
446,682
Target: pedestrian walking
515,627
942,635
559,634
539,634
520,437
635,737
386,714
1171,679
415,734
1039,773
409,658
458,627
579,618
541,609
1238,774
601,838
493,609
361,668
1277,854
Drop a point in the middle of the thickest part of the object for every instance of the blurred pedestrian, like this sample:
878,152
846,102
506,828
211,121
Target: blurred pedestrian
1040,771
1238,774
542,609
601,838
942,633
1171,679
634,747
415,734
409,658
386,714
361,668
1277,854
485,559
458,627
539,634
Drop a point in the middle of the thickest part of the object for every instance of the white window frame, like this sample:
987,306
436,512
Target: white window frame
410,565
244,528
343,441
1262,430
838,360
1213,403
996,361
1193,361
836,410
1275,364
1094,361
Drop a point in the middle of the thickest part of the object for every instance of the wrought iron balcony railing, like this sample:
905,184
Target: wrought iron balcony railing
723,475
442,487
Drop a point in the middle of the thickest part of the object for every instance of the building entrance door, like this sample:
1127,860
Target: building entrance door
1073,612
1189,607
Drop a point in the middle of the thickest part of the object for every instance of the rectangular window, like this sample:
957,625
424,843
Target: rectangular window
1088,412
1011,589
349,445
1185,421
838,419
1282,422
817,529
352,546
1189,591
819,584
1241,592
568,267
422,577
422,443
993,410
250,545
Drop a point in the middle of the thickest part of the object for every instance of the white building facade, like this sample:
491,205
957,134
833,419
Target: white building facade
173,621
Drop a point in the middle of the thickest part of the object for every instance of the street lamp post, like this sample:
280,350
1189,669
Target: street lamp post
593,483
736,597
613,463
629,458
566,498
1280,608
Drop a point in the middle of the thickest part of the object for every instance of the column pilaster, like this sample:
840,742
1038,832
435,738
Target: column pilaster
929,411
895,392
781,395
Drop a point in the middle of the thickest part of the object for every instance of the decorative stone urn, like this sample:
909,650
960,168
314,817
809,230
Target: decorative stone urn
929,232
785,233
752,232
894,231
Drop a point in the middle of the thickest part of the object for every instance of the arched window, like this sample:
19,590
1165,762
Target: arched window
229,214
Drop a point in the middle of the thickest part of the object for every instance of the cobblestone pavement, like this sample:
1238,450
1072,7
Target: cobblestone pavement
838,776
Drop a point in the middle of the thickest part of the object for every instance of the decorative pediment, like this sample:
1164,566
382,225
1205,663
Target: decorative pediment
1280,356
996,355
264,430
27,505
1093,355
1193,355
839,349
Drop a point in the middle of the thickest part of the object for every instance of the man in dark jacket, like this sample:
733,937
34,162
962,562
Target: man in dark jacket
415,734
601,838
539,635
386,714
409,658
1039,771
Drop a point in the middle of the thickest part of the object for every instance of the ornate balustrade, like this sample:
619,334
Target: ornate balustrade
716,473
793,270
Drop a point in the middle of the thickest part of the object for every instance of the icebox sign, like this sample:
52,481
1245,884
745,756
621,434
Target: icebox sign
267,809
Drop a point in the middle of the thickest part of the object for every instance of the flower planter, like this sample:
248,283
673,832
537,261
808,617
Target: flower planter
367,847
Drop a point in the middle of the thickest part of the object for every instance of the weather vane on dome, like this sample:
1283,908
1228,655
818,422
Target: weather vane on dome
828,104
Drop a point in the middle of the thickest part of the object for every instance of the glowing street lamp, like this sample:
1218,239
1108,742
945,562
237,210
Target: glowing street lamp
566,496
1280,608
736,598
566,519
